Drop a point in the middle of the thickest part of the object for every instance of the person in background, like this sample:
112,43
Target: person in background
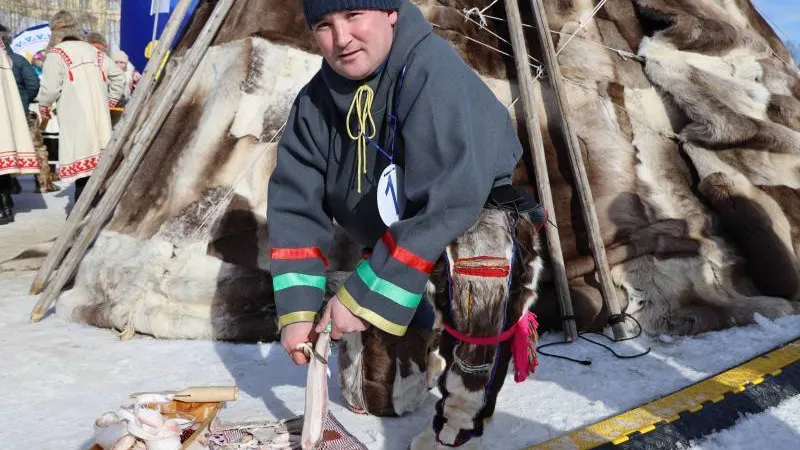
85,83
17,156
28,84
97,41
132,76
24,73
37,62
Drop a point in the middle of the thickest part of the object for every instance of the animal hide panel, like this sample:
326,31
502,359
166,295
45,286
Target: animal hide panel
691,149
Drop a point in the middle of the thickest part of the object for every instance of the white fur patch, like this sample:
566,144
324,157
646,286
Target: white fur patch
460,406
351,378
410,392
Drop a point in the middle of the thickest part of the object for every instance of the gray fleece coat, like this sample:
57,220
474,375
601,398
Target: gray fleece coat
454,142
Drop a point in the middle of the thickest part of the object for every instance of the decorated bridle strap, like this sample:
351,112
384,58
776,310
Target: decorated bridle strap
484,271
482,266
523,337
480,340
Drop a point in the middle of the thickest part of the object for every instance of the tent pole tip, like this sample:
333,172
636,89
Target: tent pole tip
36,315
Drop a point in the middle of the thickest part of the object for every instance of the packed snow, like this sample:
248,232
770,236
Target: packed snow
58,377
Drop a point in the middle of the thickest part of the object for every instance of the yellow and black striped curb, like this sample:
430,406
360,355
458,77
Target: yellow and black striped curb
707,406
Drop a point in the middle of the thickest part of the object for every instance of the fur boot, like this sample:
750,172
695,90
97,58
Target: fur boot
427,441
45,178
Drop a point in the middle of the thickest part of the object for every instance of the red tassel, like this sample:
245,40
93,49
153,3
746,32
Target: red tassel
71,78
523,347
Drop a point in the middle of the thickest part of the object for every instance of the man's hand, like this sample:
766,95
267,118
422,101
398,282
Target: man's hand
295,334
344,321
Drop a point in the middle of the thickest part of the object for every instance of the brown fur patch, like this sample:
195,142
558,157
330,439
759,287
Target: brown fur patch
279,21
153,177
623,15
688,28
236,235
769,263
244,307
384,355
785,110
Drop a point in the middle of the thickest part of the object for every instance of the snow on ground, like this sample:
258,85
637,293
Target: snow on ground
38,218
777,427
57,377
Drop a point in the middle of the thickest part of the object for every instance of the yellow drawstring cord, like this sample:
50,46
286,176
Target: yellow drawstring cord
362,104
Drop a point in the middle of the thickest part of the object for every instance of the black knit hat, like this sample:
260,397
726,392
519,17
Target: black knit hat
314,10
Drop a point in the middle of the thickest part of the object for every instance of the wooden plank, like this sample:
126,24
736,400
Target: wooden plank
119,136
578,171
141,144
528,96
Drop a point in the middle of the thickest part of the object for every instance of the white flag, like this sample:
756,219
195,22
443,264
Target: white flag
31,40
159,6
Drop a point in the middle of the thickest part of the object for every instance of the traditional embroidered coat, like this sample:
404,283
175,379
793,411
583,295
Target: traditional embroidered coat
17,155
85,82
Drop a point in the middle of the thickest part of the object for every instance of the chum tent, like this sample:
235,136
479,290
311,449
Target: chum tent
687,114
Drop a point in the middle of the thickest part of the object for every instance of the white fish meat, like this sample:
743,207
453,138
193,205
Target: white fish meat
316,392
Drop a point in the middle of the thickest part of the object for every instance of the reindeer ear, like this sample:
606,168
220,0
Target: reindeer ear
527,251
527,238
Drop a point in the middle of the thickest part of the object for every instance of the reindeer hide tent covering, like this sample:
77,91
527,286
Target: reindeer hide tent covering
688,113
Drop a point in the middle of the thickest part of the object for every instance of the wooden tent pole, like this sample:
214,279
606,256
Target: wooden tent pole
141,144
579,171
119,136
528,96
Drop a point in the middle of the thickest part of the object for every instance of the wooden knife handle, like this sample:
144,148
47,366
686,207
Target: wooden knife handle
208,394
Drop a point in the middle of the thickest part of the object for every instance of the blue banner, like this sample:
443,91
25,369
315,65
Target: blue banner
136,27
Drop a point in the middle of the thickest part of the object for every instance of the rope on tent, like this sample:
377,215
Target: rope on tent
482,25
622,53
669,135
539,69
252,163
582,24
468,12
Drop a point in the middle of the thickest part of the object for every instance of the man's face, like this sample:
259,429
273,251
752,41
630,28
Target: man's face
123,66
355,43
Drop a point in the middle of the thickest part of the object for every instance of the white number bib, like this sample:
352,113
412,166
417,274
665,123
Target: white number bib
391,200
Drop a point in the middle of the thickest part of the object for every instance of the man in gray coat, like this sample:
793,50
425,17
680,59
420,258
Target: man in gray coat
399,141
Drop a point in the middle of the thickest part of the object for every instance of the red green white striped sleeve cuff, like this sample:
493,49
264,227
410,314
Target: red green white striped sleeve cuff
298,283
386,289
